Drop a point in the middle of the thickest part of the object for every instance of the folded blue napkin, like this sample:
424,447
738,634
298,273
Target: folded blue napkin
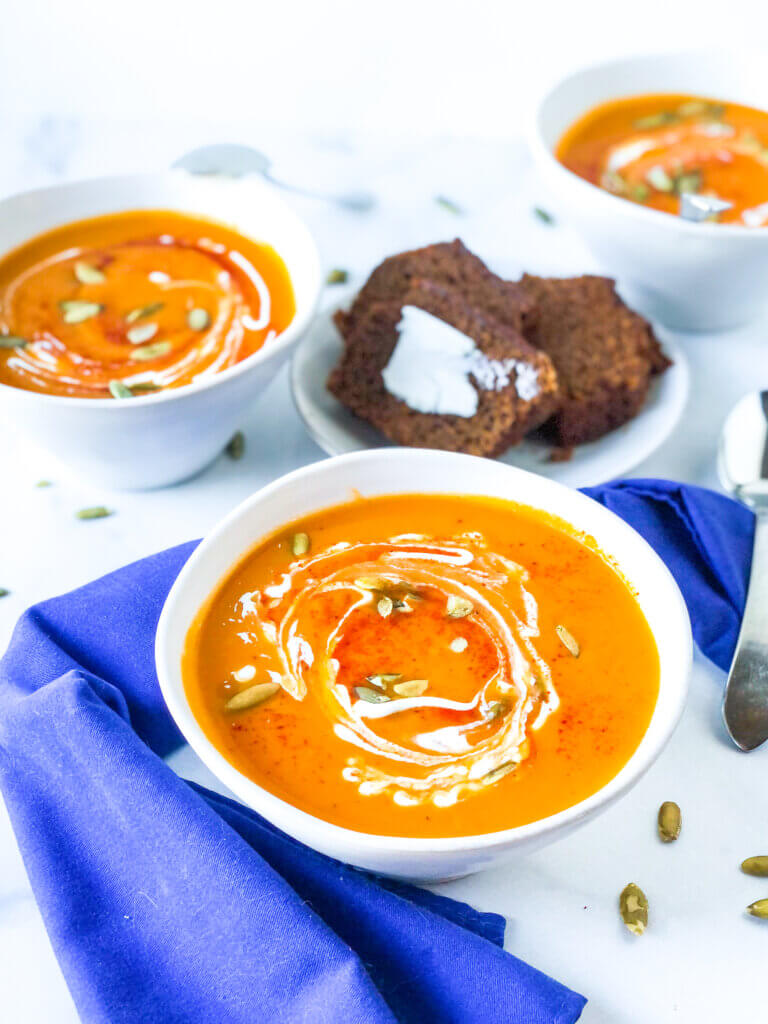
168,904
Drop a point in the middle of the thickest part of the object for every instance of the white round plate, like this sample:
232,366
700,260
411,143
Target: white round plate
337,430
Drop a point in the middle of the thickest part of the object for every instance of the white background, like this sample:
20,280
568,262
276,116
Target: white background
410,99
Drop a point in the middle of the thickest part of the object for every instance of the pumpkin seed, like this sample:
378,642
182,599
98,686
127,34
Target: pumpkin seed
236,446
633,907
119,390
4,592
449,205
692,108
158,348
300,544
86,273
755,866
369,583
144,387
75,311
411,687
614,182
500,772
384,607
459,644
658,178
141,311
656,120
252,696
568,641
371,696
245,674
95,512
544,216
198,319
758,909
43,483
337,276
381,679
670,821
143,332
458,607
12,341
690,182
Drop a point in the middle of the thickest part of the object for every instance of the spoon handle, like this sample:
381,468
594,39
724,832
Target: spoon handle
745,707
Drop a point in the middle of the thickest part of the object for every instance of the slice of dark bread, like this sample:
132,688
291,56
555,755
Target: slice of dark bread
450,264
504,415
605,354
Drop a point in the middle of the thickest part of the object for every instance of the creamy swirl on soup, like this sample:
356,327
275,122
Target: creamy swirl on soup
443,717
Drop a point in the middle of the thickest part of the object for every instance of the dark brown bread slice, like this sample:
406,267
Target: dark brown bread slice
605,354
450,264
502,418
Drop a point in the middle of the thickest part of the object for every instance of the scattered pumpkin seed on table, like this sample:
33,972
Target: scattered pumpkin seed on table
337,276
633,908
43,483
236,445
449,205
759,908
94,512
757,866
544,215
669,821
4,591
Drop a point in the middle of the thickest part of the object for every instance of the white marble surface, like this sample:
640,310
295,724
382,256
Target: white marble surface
701,960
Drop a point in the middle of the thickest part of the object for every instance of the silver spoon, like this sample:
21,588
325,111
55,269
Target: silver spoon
236,161
743,466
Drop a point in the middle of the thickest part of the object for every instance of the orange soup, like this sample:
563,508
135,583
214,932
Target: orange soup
651,149
130,303
424,666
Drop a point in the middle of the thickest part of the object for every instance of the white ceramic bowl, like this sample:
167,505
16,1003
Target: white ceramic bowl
161,438
401,470
689,276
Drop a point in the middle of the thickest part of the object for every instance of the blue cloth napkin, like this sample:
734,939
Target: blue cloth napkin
167,903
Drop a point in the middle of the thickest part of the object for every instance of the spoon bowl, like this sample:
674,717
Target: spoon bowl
743,467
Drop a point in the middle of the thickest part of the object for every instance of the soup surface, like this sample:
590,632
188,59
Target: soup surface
424,666
650,149
130,303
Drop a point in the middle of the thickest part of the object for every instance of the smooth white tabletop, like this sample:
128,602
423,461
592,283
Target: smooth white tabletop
701,959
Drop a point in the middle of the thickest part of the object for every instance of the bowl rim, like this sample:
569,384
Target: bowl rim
284,340
666,221
292,819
